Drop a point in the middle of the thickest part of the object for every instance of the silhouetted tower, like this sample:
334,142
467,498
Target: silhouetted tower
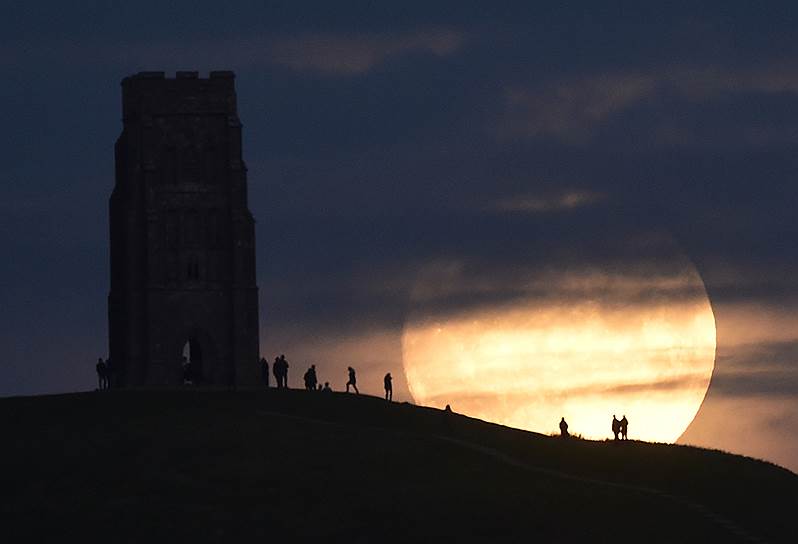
182,236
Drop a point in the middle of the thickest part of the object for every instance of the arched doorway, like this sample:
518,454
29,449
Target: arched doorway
192,361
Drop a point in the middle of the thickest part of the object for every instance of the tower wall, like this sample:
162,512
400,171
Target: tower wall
182,236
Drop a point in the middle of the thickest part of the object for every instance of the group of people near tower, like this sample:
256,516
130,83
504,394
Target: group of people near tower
311,380
620,427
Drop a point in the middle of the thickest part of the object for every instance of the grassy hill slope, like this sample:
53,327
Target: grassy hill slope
210,466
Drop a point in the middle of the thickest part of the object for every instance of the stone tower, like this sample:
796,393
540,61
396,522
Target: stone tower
182,236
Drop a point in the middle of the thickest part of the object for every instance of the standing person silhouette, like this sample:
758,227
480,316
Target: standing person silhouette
616,426
264,371
284,370
102,374
109,373
352,380
276,372
563,428
388,386
624,424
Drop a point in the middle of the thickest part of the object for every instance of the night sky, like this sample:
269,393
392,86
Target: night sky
383,141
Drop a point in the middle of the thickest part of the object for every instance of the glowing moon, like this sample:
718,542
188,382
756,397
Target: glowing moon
595,344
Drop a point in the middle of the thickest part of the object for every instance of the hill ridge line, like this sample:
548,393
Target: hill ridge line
721,521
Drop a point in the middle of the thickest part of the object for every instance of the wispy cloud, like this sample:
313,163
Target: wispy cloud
568,110
355,54
572,109
331,54
564,201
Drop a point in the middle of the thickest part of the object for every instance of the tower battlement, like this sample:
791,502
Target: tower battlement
181,74
153,93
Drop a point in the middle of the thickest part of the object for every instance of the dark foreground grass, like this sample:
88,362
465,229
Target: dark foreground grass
211,466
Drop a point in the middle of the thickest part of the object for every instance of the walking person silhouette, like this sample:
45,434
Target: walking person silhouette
388,386
352,380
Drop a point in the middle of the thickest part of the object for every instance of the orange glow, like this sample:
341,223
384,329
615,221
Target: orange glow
529,363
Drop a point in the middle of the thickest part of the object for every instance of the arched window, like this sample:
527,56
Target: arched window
172,229
193,268
213,229
192,228
168,165
192,362
189,165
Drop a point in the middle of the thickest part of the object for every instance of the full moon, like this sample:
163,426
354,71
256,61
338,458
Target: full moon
583,345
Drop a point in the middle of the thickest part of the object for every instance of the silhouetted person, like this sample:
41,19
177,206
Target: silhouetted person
616,426
264,371
448,409
109,373
326,388
352,380
564,428
102,374
388,386
310,378
276,372
284,370
623,426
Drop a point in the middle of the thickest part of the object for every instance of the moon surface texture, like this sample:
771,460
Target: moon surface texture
580,344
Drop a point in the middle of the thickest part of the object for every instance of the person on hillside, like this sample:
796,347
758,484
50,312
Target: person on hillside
264,371
326,388
352,380
276,372
388,386
624,425
284,370
109,373
102,375
564,428
310,378
616,426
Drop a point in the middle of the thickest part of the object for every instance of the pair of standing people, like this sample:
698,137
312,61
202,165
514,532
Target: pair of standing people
310,378
620,427
103,369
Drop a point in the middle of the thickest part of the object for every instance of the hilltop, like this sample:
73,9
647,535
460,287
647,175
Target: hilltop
205,466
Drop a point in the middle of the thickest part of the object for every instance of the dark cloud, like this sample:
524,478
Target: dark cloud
768,369
597,389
